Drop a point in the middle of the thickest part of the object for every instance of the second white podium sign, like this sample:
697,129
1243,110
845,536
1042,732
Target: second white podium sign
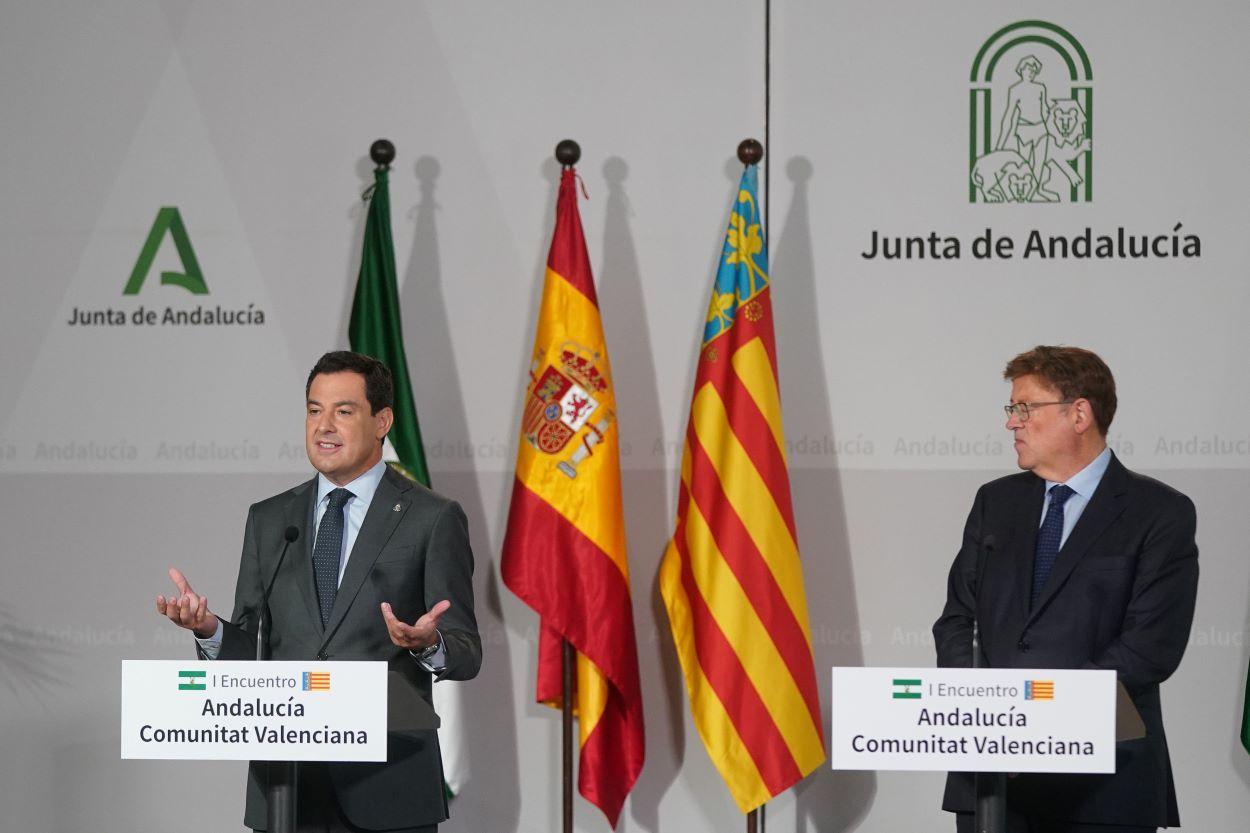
973,719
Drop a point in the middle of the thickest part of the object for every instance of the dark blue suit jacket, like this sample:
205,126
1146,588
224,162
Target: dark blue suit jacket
1121,597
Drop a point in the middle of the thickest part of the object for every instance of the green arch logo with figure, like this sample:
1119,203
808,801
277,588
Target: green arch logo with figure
1031,100
168,221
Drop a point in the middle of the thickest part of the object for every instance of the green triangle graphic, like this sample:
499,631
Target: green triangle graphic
190,278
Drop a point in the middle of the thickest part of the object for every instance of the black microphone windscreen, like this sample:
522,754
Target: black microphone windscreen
291,535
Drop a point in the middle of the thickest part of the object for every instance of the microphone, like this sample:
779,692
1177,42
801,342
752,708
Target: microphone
290,536
280,778
983,555
991,787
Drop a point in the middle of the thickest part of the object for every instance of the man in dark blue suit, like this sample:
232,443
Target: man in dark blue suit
1083,564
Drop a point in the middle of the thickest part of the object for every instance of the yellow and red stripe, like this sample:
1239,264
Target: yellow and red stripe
564,550
731,576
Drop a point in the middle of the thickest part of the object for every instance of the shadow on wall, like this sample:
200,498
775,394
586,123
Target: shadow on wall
828,801
31,662
492,800
645,495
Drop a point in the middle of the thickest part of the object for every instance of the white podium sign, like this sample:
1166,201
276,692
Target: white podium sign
277,711
973,719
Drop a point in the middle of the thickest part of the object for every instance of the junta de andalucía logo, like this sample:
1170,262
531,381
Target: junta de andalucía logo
168,221
1031,96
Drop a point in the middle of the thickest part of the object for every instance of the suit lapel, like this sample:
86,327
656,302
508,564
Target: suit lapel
1023,544
299,514
1104,507
379,525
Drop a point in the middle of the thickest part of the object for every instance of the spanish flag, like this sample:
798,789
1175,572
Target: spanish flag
564,551
731,577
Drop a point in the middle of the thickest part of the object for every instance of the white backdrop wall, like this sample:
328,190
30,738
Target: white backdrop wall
124,449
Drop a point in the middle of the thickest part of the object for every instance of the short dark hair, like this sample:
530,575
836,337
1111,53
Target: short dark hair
1075,373
379,386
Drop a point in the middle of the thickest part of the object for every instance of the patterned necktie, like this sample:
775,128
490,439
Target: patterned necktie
328,551
1049,538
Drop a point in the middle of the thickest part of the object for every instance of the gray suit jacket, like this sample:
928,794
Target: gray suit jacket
412,551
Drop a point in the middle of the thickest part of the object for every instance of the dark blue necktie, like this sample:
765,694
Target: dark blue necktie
328,550
1049,537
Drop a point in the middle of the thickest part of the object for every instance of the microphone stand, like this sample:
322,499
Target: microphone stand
281,789
991,787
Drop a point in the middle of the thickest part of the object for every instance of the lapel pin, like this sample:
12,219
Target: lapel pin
398,508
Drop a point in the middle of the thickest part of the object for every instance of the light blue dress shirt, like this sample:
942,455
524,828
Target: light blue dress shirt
1083,484
362,489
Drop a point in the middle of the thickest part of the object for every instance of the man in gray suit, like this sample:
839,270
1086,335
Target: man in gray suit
375,551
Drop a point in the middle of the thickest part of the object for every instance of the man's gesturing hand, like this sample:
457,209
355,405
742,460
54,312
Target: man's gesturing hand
419,635
187,609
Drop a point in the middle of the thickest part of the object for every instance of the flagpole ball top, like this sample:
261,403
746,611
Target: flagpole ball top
750,152
568,152
382,152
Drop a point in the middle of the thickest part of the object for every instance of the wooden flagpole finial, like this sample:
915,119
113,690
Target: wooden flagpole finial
382,152
750,152
568,152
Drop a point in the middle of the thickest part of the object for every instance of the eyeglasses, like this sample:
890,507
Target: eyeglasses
1020,410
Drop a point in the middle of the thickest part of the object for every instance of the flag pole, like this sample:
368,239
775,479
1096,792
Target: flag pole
751,152
768,107
566,739
568,152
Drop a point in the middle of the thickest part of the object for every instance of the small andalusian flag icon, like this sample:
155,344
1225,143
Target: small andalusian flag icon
1039,689
316,681
191,680
906,689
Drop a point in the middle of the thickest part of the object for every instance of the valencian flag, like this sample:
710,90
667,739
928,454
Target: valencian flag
731,577
375,329
564,552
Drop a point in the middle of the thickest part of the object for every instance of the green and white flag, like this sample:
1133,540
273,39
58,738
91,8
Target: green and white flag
191,680
906,689
375,330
